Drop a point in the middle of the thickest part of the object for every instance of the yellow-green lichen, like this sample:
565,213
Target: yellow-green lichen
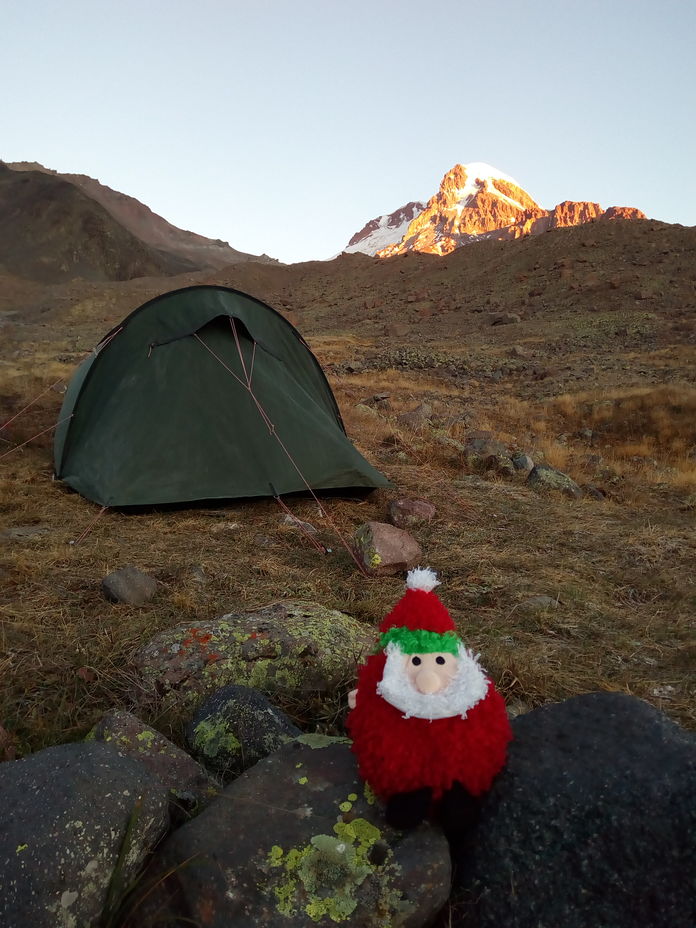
21,847
303,780
146,737
317,740
213,737
345,806
323,878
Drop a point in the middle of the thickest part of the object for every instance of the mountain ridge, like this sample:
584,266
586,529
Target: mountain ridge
188,249
474,202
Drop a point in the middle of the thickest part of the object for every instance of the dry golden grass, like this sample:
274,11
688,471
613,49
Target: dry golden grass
621,570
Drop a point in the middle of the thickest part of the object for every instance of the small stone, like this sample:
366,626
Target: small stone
499,464
23,532
301,526
417,418
545,478
225,527
517,351
539,604
504,318
129,585
593,492
407,513
386,549
522,461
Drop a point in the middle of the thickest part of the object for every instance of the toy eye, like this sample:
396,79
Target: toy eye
439,660
415,660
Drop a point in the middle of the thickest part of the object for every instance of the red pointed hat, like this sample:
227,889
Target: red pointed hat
419,621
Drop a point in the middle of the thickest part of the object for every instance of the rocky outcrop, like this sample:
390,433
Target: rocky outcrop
77,823
623,212
297,840
593,822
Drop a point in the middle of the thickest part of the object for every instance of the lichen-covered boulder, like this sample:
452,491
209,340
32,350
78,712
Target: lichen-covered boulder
545,479
297,841
293,647
385,549
76,819
592,822
190,786
235,728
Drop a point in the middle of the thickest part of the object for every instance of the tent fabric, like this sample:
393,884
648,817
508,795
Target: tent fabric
160,412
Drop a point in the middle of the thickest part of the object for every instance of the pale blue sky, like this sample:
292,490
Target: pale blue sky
284,125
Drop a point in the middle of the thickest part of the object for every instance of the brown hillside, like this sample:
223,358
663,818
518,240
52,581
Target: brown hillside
51,231
576,346
187,248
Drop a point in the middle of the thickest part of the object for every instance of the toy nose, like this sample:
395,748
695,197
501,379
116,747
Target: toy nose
427,682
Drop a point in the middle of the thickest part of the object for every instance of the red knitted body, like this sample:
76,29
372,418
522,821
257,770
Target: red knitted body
398,755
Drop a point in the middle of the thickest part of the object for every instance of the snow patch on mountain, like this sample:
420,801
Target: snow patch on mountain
384,230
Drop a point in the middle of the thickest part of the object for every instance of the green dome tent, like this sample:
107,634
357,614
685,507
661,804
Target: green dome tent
203,393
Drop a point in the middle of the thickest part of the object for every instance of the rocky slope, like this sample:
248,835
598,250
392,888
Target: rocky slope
475,201
51,231
186,248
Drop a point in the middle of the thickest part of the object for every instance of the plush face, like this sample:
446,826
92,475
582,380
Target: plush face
430,673
435,685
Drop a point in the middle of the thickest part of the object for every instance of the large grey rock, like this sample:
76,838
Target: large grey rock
593,822
235,728
297,841
294,647
129,585
68,812
190,786
545,478
386,549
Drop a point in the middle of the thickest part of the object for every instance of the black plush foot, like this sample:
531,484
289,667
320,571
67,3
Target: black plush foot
406,810
459,810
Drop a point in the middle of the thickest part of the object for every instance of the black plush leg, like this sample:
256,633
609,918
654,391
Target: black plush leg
459,810
406,810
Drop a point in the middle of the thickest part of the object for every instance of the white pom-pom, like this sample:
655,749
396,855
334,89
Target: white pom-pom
422,578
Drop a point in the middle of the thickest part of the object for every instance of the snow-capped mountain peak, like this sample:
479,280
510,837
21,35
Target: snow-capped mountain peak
474,201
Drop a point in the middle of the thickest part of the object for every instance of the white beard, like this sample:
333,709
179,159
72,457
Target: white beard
468,686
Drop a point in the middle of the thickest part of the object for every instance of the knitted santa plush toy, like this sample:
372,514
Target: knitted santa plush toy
429,729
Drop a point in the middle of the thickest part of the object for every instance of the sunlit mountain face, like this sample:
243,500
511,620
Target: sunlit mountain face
475,201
